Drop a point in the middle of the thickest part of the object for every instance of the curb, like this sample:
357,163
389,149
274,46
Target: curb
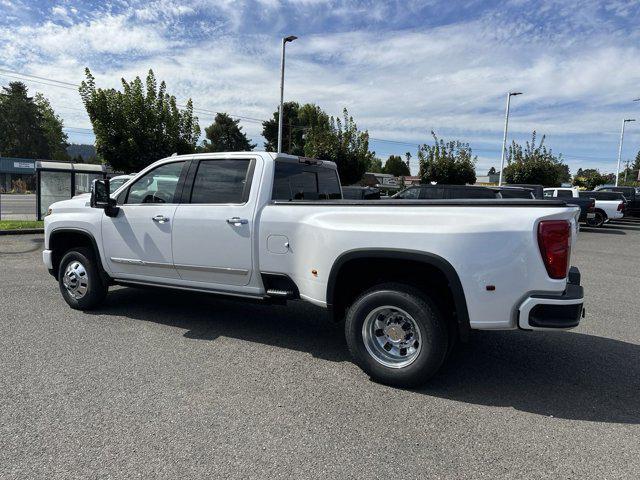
22,231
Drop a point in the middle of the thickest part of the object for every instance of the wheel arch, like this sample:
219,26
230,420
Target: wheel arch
426,261
61,240
603,212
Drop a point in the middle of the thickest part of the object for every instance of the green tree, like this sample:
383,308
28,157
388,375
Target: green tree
138,125
449,162
296,124
30,128
396,166
492,171
52,126
341,142
225,135
590,178
629,176
535,164
374,166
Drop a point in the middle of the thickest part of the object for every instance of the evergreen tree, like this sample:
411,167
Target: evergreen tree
30,128
225,135
396,166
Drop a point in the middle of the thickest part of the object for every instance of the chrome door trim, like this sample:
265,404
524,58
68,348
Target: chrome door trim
142,263
227,270
199,268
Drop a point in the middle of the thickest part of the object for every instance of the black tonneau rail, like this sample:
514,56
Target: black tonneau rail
470,202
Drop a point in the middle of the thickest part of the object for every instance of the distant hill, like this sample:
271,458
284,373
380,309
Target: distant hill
86,151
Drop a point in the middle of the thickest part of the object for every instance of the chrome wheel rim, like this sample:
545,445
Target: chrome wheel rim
76,280
391,336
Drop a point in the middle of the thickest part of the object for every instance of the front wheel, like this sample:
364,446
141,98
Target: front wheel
396,334
81,285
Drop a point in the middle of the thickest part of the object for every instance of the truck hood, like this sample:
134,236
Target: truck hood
79,201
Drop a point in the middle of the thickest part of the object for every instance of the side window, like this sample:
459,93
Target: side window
157,186
565,194
295,181
221,181
548,194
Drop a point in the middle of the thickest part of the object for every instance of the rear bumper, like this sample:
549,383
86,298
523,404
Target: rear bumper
554,312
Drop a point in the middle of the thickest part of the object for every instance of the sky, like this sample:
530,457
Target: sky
402,68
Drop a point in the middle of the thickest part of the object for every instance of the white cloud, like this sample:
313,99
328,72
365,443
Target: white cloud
398,83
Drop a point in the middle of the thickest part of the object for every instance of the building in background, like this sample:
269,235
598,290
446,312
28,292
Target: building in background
17,174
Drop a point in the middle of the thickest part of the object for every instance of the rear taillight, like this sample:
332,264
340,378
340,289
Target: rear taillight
621,207
592,206
554,240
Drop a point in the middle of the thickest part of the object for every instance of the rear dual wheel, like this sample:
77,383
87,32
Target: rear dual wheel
597,221
396,334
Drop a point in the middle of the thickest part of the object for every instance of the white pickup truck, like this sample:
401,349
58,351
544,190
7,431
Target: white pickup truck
607,205
409,277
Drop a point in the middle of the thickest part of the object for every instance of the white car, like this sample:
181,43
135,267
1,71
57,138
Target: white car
408,277
116,182
606,208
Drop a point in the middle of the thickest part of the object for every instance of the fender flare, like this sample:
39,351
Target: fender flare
94,244
431,259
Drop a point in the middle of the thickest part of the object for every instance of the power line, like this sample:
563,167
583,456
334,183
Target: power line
52,82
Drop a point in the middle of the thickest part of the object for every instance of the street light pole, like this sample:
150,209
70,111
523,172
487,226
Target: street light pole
285,40
620,145
504,138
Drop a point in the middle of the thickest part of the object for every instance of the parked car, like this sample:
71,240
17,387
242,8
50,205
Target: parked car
632,197
116,182
514,192
537,189
609,206
409,277
445,192
355,192
604,209
587,205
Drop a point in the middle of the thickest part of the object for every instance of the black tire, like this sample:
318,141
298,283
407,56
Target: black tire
95,289
425,315
598,220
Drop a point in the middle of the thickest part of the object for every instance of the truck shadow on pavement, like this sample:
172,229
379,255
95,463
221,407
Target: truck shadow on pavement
298,326
565,375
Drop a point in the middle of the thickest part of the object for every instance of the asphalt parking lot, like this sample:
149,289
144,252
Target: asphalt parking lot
174,385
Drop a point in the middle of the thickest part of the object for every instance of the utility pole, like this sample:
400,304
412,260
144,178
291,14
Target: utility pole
504,138
285,40
624,122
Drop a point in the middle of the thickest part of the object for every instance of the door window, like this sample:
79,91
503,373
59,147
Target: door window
157,186
565,194
548,193
222,181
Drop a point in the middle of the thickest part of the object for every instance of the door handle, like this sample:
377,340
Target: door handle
237,221
160,219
